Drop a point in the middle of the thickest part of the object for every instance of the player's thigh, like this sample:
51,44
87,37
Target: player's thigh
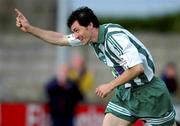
111,120
174,124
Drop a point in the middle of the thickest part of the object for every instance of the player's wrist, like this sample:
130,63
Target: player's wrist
29,28
112,85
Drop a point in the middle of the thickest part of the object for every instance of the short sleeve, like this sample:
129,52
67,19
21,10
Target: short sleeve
130,55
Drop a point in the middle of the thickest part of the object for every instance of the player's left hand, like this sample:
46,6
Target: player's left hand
103,90
21,21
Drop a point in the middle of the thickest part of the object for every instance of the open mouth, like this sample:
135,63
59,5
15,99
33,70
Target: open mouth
81,39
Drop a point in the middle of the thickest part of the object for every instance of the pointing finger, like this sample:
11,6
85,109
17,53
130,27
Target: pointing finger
19,14
17,11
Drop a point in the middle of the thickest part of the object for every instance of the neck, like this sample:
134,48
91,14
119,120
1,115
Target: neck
95,32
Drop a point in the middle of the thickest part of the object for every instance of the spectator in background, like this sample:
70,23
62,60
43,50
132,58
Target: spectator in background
63,96
82,76
169,76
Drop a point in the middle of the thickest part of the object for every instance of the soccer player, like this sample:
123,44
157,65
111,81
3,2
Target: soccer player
139,94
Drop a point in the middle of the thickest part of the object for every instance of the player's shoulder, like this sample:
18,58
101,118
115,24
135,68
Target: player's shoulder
112,25
112,29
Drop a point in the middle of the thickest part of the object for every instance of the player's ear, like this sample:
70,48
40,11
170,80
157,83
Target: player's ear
90,25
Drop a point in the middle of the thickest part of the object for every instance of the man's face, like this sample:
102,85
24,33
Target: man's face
82,33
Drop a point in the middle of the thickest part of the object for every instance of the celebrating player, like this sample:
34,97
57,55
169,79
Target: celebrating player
139,94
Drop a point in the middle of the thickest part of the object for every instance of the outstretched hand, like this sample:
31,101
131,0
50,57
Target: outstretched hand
21,21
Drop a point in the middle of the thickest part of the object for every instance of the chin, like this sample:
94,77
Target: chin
85,42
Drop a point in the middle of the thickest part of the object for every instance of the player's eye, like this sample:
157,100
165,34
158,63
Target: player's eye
77,31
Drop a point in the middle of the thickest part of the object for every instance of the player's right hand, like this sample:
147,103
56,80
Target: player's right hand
21,21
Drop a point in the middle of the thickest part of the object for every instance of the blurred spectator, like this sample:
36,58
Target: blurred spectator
82,76
169,75
63,96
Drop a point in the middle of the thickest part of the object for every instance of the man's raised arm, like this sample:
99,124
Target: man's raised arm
49,36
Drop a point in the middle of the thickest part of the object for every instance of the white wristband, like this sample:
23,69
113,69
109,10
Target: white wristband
73,41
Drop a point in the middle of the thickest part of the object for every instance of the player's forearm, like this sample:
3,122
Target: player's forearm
48,36
127,76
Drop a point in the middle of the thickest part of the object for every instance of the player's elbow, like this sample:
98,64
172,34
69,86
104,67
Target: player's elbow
139,69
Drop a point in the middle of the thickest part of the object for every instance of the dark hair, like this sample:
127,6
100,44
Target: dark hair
84,16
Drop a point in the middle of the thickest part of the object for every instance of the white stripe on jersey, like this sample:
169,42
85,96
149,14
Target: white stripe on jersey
122,38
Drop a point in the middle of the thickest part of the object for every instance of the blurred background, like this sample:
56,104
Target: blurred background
27,63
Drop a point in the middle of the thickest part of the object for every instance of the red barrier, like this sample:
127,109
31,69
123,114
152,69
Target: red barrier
89,115
19,114
138,123
13,114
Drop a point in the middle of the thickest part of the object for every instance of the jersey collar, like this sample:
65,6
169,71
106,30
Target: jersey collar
101,34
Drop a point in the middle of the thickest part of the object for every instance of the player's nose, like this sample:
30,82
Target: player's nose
76,35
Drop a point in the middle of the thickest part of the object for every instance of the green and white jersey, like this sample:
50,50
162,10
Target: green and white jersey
120,50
